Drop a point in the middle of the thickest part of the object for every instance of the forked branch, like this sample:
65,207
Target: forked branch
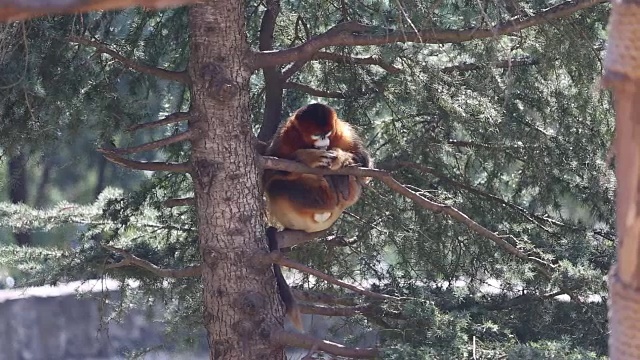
144,165
355,34
154,144
179,76
284,338
132,260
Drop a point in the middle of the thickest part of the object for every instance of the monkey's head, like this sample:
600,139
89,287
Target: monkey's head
316,122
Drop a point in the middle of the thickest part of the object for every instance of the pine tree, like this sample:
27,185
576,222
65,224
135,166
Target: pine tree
494,198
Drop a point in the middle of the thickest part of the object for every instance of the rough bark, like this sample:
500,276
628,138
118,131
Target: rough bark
241,306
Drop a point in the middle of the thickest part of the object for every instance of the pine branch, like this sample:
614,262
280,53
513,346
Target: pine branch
169,119
276,257
179,76
144,165
502,64
386,178
284,338
132,260
180,202
154,144
15,10
368,310
346,59
357,34
314,92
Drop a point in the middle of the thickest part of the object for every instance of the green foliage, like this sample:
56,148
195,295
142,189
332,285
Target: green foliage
520,149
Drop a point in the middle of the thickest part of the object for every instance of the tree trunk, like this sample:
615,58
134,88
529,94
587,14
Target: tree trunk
241,305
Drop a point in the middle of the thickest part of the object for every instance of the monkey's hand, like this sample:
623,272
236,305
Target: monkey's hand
342,159
316,158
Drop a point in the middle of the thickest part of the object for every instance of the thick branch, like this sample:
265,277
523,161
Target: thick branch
346,59
354,34
169,119
288,238
14,10
393,184
323,298
154,144
309,342
179,76
314,92
276,257
144,165
132,260
180,202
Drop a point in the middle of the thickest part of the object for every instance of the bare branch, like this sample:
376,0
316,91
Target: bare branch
386,178
272,77
144,165
357,34
276,257
346,59
15,10
132,260
502,64
154,144
169,119
179,202
314,92
179,76
284,338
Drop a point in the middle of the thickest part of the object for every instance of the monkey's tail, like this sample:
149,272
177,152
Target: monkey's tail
291,305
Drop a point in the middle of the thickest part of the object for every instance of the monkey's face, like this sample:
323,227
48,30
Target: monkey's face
321,140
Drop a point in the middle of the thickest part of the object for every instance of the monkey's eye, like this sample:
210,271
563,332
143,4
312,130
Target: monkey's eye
321,136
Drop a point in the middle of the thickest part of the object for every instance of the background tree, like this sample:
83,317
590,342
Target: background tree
485,111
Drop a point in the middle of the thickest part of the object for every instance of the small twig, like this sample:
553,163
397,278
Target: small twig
368,310
144,165
179,76
169,119
132,260
276,257
284,338
313,91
